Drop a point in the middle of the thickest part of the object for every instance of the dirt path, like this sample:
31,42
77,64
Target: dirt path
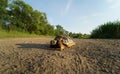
33,56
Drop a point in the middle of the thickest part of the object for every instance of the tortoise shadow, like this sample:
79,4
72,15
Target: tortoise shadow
32,45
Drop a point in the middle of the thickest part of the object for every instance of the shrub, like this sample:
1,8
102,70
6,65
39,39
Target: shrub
107,30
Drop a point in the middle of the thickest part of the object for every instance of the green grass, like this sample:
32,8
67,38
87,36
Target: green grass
107,30
15,34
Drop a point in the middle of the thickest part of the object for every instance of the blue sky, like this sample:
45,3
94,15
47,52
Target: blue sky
78,15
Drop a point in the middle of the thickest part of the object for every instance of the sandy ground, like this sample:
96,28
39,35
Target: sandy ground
34,56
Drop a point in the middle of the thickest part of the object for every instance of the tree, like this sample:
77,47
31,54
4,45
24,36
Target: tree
3,11
20,14
60,30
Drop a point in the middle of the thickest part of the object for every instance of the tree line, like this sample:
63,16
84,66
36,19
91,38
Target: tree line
19,16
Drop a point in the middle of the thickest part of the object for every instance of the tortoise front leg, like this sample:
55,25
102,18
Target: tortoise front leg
61,46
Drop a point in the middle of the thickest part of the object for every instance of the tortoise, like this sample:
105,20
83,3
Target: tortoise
61,42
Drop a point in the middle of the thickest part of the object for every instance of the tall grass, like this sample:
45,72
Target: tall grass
16,34
107,30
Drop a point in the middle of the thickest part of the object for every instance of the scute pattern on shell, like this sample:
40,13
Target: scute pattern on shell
62,41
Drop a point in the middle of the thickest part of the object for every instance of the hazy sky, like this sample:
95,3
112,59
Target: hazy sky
78,15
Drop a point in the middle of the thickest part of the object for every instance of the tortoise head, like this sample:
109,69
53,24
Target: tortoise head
53,42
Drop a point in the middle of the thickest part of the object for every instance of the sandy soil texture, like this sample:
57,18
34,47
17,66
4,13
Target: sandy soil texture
34,56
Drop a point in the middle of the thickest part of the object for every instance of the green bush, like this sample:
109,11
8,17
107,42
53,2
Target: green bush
107,30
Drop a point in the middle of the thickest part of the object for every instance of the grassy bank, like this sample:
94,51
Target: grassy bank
110,30
15,34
